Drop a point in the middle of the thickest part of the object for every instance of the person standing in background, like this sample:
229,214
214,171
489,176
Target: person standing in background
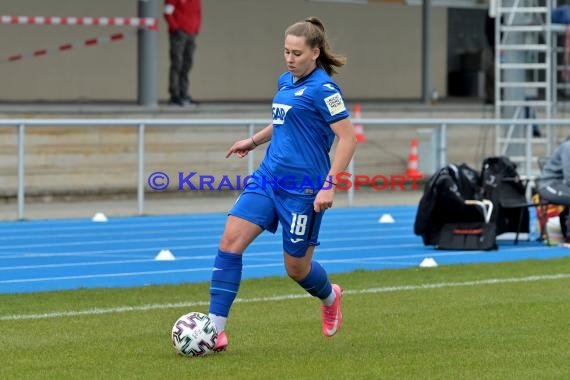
490,60
184,18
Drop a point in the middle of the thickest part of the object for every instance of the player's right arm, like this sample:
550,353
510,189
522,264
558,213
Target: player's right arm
242,147
169,7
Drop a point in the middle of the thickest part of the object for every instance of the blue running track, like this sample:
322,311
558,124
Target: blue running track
70,254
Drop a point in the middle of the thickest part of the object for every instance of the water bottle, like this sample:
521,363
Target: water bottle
533,230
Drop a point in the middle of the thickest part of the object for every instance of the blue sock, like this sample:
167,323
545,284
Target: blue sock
226,278
317,282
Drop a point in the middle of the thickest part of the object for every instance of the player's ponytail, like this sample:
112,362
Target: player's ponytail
314,32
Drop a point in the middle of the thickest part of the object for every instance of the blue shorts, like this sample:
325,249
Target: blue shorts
267,205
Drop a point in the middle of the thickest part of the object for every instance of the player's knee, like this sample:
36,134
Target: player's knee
295,275
231,243
297,271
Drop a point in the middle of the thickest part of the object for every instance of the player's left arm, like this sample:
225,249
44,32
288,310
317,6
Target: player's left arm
346,145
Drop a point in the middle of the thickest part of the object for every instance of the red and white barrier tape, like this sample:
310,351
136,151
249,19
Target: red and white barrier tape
149,22
70,46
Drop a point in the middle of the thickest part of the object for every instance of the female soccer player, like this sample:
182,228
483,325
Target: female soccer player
294,183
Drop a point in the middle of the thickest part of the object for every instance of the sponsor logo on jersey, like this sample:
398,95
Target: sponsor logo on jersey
328,85
279,112
301,91
335,104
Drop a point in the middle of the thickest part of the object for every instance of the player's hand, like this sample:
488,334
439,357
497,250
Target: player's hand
324,199
241,148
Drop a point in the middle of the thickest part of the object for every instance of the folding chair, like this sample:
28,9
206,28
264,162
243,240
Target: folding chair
502,185
541,205
513,206
511,200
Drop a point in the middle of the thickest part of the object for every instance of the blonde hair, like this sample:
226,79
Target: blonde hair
314,32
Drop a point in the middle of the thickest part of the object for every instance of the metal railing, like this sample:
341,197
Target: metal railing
441,125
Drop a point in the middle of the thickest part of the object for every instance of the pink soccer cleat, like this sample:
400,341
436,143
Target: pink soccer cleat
332,317
221,343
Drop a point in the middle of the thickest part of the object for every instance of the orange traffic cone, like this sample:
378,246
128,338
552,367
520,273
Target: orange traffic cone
358,128
413,160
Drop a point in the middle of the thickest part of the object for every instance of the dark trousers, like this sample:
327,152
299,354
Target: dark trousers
182,48
489,68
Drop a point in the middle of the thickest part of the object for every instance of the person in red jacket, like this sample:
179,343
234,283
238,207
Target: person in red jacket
184,18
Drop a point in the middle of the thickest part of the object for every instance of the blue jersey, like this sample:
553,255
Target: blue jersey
298,155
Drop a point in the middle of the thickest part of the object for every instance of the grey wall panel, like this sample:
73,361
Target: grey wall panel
239,54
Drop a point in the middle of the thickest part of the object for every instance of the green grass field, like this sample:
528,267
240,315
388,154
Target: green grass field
492,321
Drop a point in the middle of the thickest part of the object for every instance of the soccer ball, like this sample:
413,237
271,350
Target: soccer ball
194,334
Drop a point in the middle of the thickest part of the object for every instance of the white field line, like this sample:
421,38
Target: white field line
188,236
12,228
388,289
121,252
213,247
271,254
201,232
209,268
187,222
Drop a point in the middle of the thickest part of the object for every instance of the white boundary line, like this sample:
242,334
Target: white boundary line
94,230
251,256
196,236
21,235
270,254
388,289
192,247
214,220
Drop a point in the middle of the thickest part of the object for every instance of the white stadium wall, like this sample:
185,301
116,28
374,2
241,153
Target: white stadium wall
239,53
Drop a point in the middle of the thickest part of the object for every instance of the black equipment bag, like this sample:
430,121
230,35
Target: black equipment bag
479,236
443,201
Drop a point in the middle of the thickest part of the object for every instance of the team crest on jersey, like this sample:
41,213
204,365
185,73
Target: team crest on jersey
335,104
279,112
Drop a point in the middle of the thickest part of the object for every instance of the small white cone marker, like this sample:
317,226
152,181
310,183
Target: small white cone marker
165,255
428,262
99,217
386,218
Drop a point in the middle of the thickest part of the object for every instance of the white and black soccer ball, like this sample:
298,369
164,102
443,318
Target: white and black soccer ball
194,334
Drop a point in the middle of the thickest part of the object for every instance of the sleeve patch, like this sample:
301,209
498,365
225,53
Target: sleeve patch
335,104
168,9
